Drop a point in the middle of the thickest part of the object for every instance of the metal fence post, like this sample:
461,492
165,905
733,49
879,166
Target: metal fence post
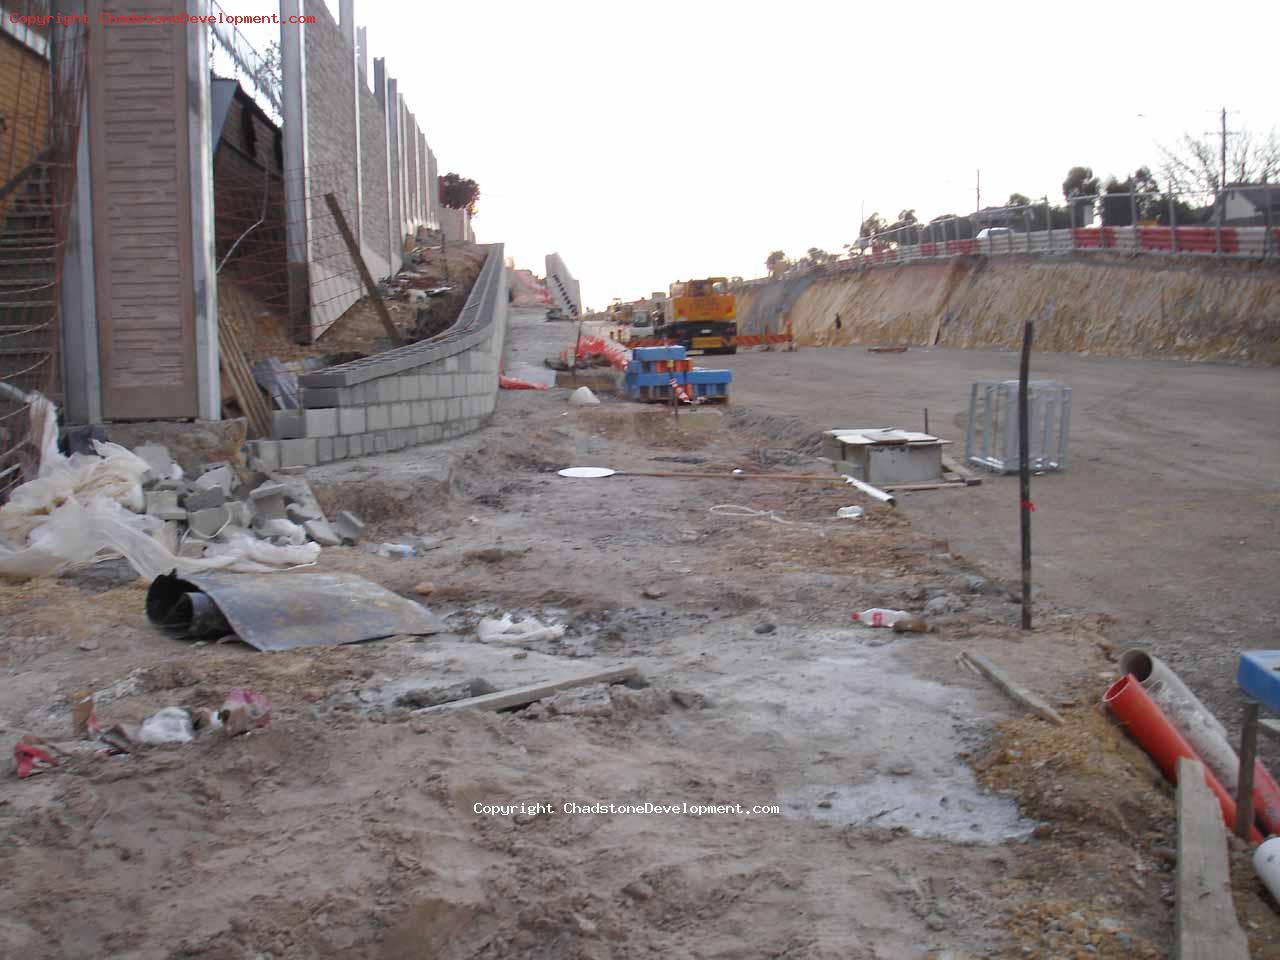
1048,221
1173,223
1266,237
1133,213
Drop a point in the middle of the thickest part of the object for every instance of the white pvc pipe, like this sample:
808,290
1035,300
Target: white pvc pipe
1266,861
869,490
1189,716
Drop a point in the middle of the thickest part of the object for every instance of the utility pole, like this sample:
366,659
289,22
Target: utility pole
1224,148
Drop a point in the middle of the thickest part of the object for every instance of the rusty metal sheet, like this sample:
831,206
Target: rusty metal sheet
285,611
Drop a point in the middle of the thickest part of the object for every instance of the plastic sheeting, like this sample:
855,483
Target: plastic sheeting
86,507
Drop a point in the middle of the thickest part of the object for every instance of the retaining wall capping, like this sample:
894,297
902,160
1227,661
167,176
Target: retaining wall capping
425,392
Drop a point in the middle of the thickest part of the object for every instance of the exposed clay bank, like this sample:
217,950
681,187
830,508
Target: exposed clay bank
1111,306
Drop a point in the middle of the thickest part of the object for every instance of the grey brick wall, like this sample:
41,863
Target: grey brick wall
393,114
386,132
422,393
373,180
331,125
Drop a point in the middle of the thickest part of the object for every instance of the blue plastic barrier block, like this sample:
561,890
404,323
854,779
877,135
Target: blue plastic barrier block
698,375
654,379
649,354
1259,676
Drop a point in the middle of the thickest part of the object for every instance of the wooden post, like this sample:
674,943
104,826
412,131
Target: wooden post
1024,470
369,285
1207,926
573,366
1248,756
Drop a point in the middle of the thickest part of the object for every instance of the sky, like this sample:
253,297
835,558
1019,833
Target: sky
648,143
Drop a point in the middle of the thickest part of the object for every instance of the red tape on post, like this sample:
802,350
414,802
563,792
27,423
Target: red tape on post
1028,505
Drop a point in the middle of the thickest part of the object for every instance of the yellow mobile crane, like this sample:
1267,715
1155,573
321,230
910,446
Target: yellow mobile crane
702,315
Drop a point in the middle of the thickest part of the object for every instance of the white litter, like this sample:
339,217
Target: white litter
284,529
506,630
583,397
170,725
850,513
85,508
586,473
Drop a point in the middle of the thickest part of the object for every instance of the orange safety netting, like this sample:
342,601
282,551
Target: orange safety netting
591,347
515,383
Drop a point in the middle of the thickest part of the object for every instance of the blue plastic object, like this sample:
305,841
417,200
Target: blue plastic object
710,376
1259,676
654,379
649,354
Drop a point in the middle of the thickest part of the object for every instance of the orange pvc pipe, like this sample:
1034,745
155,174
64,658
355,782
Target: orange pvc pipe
1266,798
1134,708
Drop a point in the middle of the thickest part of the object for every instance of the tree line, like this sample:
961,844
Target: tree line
1193,168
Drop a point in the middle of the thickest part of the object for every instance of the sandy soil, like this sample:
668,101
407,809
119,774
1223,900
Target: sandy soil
359,330
1165,518
918,814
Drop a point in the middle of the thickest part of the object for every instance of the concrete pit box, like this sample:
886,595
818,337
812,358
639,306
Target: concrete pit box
883,455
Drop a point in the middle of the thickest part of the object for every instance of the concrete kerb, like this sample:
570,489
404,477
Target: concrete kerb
425,392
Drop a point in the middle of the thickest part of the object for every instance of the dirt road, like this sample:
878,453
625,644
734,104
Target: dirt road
785,783
1167,517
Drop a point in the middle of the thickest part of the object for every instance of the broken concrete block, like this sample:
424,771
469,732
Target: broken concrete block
158,460
208,523
322,533
303,512
271,488
348,526
202,498
220,477
163,505
268,508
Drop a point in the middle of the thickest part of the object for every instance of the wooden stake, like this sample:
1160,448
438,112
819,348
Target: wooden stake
519,696
1024,471
354,249
1207,926
1031,701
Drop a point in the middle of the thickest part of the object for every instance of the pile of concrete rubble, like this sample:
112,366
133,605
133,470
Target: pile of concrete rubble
219,500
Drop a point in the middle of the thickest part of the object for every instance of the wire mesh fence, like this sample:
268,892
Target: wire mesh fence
254,227
1242,222
44,73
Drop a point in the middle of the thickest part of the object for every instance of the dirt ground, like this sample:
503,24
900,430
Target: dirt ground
359,330
893,803
1165,519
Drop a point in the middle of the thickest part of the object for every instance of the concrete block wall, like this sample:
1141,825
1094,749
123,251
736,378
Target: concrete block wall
373,186
456,225
332,165
347,131
421,393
